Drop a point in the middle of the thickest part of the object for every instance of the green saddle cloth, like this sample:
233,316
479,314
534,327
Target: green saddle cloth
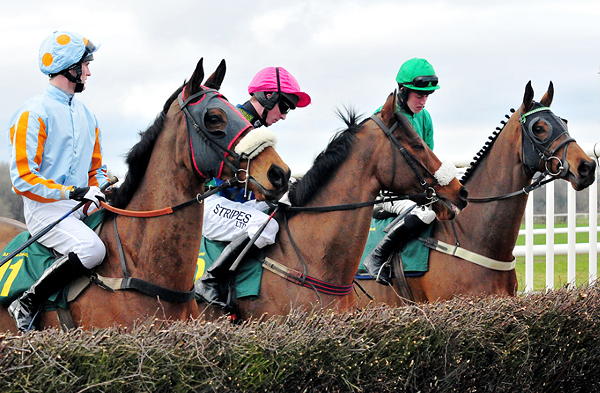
248,275
19,273
415,256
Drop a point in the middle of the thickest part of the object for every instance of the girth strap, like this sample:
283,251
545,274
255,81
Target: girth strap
145,287
136,284
467,255
304,280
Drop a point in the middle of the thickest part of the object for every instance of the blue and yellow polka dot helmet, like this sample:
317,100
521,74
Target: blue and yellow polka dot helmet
63,49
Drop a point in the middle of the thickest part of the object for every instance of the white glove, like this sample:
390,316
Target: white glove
92,194
285,199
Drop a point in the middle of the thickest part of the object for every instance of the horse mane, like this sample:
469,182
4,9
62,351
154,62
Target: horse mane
328,161
138,157
483,152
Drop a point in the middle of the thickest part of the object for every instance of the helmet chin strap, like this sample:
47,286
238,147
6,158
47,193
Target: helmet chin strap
79,85
403,98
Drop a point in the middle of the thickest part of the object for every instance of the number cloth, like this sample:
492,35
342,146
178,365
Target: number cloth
18,274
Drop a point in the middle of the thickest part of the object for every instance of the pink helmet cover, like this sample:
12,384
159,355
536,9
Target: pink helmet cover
266,80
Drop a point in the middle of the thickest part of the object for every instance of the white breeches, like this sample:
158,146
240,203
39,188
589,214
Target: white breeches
70,235
398,207
225,220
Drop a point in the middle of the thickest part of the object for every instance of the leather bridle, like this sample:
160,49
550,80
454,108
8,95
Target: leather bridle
537,152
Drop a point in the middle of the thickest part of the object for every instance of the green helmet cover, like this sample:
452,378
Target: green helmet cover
413,68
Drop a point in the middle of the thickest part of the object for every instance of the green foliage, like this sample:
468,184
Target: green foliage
534,343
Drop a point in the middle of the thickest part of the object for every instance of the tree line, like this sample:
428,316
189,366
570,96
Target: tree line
11,204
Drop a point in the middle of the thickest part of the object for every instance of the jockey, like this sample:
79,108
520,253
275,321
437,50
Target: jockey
416,81
56,161
230,216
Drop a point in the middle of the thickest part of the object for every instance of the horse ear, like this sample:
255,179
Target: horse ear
196,79
214,81
387,111
547,98
528,97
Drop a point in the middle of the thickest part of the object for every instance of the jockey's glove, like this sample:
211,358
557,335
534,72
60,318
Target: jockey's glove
92,194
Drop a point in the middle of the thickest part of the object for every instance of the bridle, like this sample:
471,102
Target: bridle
536,152
416,166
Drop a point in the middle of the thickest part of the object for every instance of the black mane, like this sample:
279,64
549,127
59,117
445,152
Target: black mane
328,161
483,152
139,156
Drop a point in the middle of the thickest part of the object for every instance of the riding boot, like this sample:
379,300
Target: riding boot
209,286
26,308
376,262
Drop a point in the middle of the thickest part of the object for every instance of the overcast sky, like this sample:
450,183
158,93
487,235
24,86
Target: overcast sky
343,53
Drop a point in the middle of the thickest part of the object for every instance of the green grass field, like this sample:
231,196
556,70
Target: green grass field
560,261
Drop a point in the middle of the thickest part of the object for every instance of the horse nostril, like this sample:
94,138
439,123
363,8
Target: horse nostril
587,168
277,176
463,193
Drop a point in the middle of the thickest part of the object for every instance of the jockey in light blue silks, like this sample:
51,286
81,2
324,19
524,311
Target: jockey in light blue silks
56,160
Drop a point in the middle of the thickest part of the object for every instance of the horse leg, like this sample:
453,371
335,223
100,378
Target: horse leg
7,324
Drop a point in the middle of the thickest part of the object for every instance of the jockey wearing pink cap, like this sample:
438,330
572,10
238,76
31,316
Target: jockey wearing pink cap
274,93
230,216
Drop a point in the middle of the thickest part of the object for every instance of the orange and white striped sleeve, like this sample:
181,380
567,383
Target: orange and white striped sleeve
28,138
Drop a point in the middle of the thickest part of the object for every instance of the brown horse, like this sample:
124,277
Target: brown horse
539,141
165,169
356,165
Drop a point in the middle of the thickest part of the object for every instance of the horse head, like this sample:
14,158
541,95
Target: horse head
546,145
410,157
223,142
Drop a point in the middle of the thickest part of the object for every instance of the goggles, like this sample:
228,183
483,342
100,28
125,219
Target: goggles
286,103
425,81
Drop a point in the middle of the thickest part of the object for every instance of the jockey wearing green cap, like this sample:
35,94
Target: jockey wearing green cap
416,81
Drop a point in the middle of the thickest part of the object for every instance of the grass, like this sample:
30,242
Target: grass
560,261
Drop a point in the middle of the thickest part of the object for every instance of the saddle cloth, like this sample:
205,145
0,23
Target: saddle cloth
248,275
19,273
415,256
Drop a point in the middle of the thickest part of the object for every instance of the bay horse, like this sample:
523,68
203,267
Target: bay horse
168,165
532,140
322,250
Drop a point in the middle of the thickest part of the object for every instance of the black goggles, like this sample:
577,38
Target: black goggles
286,103
425,81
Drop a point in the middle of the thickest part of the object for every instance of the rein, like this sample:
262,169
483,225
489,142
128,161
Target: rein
541,181
169,210
349,206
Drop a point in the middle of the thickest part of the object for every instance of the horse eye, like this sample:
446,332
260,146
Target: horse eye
418,147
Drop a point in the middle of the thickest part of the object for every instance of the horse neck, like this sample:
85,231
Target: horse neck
492,228
331,243
164,249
